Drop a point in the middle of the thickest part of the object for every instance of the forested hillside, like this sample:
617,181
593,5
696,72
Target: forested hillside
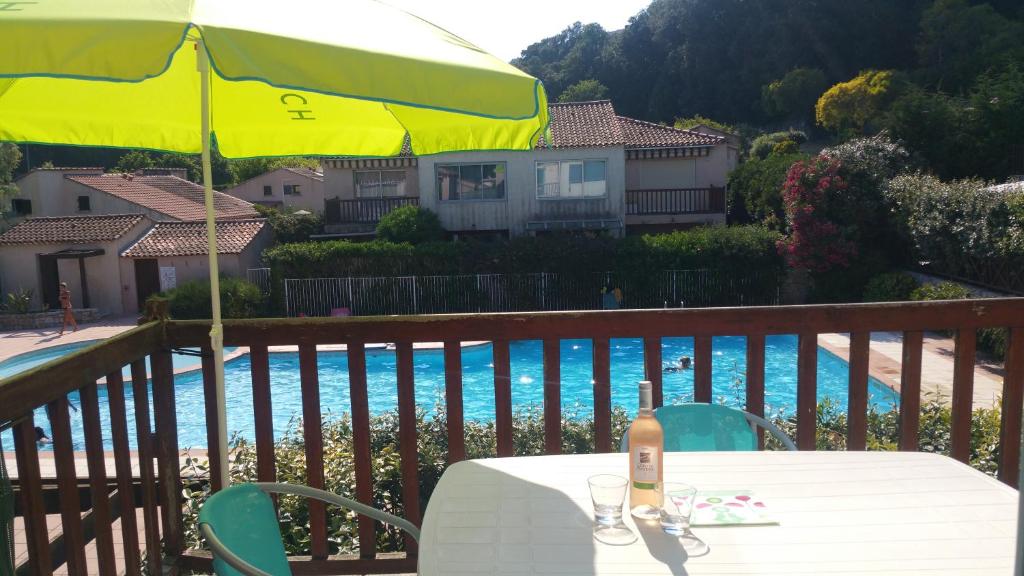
680,58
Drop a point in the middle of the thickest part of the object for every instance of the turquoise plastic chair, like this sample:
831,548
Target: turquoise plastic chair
711,427
240,525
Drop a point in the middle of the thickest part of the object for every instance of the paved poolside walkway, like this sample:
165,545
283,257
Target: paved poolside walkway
886,362
21,341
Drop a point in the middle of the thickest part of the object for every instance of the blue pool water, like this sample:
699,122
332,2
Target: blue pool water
728,367
29,360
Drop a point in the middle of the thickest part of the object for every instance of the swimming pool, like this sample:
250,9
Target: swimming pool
29,360
728,368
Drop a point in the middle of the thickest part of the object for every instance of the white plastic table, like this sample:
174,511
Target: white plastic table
839,513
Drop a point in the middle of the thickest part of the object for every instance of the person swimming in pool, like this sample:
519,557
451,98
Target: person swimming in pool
682,364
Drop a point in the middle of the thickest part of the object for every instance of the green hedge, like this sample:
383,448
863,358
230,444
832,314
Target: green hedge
746,250
528,438
991,340
891,287
238,299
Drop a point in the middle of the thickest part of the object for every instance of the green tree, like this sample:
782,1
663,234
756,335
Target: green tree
134,160
584,91
10,158
960,40
189,163
247,168
289,227
793,96
765,144
755,187
848,107
698,120
410,224
974,135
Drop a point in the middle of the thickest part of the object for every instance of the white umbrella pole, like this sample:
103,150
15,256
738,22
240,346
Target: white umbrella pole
217,330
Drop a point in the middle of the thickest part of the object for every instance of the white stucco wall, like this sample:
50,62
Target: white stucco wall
340,182
311,197
661,173
20,266
521,204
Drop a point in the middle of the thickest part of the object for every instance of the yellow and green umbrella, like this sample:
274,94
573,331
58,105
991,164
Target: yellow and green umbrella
297,78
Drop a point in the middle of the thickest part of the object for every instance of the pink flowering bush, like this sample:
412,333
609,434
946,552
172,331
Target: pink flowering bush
815,242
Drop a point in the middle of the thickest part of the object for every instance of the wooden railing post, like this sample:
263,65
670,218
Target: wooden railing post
144,443
212,418
33,509
67,485
807,391
408,439
602,395
552,397
857,400
653,369
1013,397
123,468
702,357
313,440
755,379
453,401
963,394
361,445
263,413
910,390
168,466
98,490
502,397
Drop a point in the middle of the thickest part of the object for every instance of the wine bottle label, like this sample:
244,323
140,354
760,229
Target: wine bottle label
645,467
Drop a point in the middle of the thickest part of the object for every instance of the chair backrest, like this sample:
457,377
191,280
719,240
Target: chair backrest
704,428
244,520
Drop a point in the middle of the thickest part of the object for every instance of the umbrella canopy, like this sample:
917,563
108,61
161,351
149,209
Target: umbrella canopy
306,78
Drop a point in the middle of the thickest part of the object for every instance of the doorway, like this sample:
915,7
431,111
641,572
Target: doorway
49,279
147,280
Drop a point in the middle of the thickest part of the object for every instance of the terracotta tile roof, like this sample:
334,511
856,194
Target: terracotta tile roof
71,229
306,173
583,125
640,134
189,238
177,198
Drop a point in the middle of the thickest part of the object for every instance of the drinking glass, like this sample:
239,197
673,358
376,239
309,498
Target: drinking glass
677,502
608,492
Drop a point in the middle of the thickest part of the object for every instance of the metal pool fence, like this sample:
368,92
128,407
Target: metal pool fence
383,296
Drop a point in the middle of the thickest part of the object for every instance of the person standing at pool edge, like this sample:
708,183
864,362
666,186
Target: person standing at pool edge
65,304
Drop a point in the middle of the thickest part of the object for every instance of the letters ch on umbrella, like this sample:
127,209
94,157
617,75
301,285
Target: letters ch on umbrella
288,99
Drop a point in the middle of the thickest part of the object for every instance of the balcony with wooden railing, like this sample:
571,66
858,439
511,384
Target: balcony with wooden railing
674,202
103,492
363,210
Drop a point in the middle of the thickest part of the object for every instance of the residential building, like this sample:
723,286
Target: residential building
114,262
594,171
297,188
172,253
159,193
118,238
38,254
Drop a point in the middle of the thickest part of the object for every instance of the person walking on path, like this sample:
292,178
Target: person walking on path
65,304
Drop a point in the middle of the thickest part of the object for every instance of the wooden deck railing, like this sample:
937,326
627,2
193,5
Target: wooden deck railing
363,210
48,386
677,201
